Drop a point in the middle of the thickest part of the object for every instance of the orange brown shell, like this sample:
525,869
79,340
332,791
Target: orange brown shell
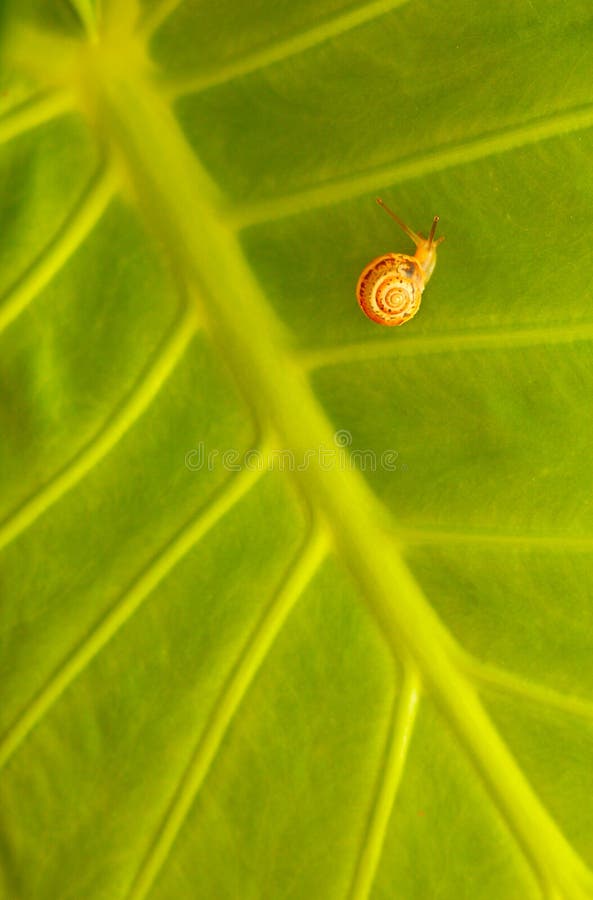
389,289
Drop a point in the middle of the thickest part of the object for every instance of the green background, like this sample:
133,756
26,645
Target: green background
340,681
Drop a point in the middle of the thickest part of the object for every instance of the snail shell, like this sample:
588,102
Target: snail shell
390,288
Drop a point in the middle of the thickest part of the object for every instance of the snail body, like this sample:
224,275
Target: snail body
390,288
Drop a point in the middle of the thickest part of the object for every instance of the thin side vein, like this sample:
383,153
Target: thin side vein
155,17
113,430
87,13
396,752
419,166
447,343
146,582
283,50
511,683
34,112
61,247
248,665
573,543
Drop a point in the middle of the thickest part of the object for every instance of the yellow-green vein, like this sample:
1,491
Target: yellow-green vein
428,537
255,652
87,13
511,683
155,17
282,50
396,752
61,247
502,339
146,582
34,112
120,421
419,166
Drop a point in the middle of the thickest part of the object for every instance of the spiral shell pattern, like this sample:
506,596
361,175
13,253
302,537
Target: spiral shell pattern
389,289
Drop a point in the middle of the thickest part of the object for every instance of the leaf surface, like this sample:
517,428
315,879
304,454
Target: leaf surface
294,605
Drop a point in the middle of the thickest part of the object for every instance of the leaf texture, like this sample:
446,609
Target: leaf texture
293,605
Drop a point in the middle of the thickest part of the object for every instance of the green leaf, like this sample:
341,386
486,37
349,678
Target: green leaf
294,605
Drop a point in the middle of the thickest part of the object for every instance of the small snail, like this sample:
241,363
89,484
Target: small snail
389,289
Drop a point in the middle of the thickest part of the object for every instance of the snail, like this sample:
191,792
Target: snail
389,289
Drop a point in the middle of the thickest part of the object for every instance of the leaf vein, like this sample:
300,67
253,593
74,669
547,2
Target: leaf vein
254,653
156,16
416,346
112,431
61,247
34,112
429,537
399,736
128,604
511,683
282,50
419,166
86,13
